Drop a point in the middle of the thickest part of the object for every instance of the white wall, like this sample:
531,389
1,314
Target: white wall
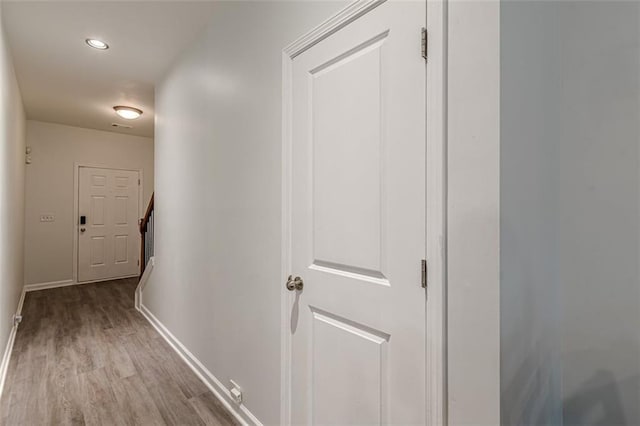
599,211
473,212
12,170
49,189
216,284
571,212
530,292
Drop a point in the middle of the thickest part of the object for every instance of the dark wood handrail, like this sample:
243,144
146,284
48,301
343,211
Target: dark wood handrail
146,236
145,220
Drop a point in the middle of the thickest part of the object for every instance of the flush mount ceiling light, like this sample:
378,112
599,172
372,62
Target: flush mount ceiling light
129,113
97,44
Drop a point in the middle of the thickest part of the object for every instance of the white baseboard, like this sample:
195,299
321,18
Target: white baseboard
4,366
66,283
21,302
143,282
240,412
44,286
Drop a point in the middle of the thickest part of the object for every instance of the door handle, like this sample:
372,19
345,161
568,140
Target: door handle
294,283
82,230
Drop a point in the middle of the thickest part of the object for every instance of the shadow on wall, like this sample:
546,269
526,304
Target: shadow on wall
599,402
570,212
531,397
598,214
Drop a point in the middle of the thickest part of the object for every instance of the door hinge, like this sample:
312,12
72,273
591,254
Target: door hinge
424,43
138,182
424,273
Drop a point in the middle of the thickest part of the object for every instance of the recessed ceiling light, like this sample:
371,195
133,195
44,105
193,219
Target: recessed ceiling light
97,44
129,113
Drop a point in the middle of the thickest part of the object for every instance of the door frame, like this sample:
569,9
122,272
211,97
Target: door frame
76,207
436,198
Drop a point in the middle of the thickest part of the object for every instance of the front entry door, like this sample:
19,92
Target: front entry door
108,240
357,329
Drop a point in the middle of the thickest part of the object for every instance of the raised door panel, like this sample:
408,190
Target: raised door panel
121,249
122,182
121,211
98,211
98,180
98,250
349,372
347,163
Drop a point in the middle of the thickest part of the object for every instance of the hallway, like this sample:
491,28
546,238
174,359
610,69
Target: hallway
84,355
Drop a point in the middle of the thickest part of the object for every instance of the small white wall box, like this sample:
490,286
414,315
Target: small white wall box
236,392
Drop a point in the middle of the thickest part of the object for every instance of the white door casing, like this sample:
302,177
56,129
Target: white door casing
109,243
354,218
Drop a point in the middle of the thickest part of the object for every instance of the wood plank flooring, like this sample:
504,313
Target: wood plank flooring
84,355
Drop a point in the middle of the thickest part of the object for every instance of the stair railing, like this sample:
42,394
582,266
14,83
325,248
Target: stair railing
146,234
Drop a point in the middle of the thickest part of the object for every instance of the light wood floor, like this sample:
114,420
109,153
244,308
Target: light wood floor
84,355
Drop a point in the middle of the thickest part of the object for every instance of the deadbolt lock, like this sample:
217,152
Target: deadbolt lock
294,283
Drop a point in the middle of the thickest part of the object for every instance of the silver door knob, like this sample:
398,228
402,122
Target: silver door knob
294,283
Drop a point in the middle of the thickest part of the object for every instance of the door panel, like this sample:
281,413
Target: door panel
358,222
346,155
97,251
122,182
108,247
121,211
121,251
98,213
98,180
348,389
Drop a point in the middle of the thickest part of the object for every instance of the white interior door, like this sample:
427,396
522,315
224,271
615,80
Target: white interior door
108,241
358,223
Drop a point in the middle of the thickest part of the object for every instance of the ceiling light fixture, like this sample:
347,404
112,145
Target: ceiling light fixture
97,44
129,113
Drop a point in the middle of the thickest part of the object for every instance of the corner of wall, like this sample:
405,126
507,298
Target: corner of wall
473,217
12,180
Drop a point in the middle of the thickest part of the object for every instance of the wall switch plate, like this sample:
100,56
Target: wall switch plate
236,392
47,218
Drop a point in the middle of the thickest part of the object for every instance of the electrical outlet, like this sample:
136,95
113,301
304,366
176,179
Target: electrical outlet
47,218
236,392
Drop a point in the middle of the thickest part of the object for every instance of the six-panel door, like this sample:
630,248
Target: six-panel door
108,244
